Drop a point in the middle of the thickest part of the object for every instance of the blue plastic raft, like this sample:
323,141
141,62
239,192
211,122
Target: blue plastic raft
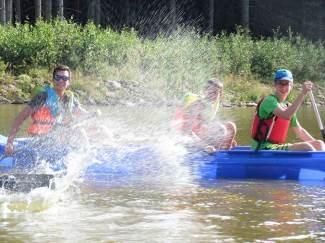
239,163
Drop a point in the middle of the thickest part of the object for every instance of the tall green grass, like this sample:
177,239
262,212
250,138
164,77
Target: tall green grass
171,64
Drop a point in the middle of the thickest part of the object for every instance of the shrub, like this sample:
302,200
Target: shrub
170,64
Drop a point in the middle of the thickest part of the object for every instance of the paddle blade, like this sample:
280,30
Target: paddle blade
26,182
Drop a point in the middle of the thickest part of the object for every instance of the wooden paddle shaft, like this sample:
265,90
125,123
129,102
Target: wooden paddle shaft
319,120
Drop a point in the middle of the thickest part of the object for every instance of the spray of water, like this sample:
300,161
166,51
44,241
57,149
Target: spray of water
130,144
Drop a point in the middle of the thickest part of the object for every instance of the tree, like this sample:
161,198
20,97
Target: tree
127,12
9,11
3,12
91,10
211,16
17,11
48,9
60,8
245,13
97,12
173,13
38,9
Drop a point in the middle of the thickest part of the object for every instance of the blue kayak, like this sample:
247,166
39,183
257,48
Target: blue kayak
242,162
238,163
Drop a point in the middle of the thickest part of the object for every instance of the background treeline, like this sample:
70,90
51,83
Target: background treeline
149,17
172,64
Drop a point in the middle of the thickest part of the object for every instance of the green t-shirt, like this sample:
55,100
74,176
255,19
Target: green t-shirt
265,111
269,104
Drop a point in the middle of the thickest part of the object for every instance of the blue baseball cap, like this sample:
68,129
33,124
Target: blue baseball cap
283,74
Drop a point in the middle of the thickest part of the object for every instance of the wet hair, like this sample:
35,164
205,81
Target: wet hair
61,67
214,82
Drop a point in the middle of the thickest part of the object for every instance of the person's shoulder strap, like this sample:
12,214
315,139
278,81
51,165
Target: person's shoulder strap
267,102
189,98
39,96
259,104
37,90
52,100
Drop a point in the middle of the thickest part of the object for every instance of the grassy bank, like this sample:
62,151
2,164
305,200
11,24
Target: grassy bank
168,66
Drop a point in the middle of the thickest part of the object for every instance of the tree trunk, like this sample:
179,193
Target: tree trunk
304,16
60,9
211,16
17,11
127,13
91,10
77,7
3,12
9,11
48,9
321,20
173,11
38,9
245,13
97,12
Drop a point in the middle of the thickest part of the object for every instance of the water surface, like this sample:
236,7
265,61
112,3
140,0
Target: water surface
167,204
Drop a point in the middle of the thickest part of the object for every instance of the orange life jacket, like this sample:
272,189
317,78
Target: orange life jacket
187,123
46,116
42,121
274,129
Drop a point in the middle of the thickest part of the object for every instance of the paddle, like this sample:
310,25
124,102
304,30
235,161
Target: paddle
26,182
319,121
73,125
22,182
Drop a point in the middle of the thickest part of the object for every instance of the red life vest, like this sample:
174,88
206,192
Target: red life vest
187,123
274,129
42,121
45,116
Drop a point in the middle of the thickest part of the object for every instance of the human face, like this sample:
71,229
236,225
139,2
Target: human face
61,80
283,88
212,92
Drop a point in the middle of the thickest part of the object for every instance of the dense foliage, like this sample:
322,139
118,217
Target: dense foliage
174,63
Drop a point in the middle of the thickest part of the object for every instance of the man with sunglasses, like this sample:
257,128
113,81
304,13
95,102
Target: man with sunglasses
274,115
52,105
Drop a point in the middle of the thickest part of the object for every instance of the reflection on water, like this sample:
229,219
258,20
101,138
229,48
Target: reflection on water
233,211
167,204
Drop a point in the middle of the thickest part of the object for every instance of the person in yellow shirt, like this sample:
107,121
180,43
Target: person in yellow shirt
197,117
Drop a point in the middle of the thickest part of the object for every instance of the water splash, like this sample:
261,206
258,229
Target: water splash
127,154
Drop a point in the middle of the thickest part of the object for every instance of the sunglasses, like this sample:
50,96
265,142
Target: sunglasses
57,78
283,83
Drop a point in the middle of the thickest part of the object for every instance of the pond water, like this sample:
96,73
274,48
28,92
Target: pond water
167,205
